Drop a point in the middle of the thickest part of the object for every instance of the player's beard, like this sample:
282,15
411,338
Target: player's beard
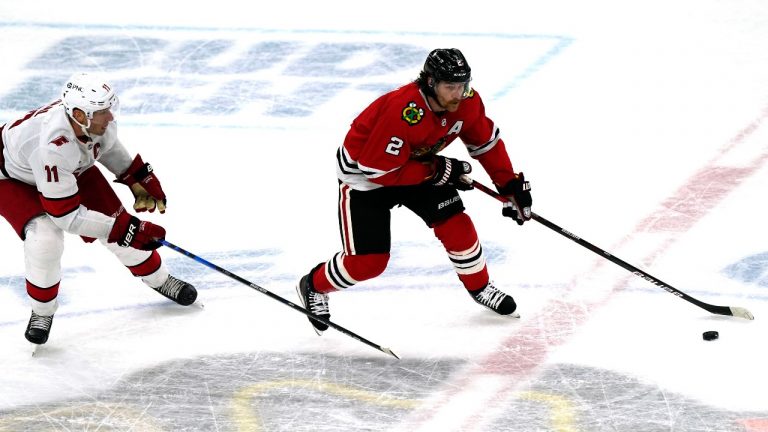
452,105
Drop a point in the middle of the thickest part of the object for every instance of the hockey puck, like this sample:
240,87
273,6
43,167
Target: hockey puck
710,335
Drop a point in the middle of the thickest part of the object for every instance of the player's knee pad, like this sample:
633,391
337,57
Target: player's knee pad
457,232
368,266
43,247
148,265
128,256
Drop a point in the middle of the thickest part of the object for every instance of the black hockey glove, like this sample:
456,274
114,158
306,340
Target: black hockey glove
518,191
448,171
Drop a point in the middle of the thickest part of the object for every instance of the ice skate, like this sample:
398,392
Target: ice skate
177,290
315,302
39,328
495,300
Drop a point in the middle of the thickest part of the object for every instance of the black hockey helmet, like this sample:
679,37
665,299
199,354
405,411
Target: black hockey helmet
444,64
447,64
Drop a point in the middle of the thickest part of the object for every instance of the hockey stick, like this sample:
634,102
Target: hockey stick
278,298
720,310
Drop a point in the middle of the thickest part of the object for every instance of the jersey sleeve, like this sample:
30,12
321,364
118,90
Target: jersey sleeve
483,141
53,169
497,164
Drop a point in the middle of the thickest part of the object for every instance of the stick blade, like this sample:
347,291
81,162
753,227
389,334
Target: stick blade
389,351
740,312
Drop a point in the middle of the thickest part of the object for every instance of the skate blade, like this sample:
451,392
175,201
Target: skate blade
35,348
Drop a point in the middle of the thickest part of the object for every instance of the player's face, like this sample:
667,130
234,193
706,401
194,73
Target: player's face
450,94
100,121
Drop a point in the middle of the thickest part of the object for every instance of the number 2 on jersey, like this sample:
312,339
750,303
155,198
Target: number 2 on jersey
394,146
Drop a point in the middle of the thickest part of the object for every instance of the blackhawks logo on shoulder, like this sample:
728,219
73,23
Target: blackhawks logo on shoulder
412,114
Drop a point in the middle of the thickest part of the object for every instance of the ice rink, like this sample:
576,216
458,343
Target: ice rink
642,126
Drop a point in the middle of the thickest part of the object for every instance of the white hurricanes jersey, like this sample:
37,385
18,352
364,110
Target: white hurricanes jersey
43,150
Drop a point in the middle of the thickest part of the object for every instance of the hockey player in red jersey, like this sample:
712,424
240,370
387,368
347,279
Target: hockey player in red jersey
390,157
49,185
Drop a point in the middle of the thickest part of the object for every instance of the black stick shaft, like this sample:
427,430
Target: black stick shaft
278,298
720,310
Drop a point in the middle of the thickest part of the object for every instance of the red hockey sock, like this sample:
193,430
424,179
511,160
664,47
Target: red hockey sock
343,271
459,238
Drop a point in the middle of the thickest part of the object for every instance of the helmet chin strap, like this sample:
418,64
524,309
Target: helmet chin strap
84,127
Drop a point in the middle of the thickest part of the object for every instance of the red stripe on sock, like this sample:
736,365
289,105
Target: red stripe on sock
149,266
43,295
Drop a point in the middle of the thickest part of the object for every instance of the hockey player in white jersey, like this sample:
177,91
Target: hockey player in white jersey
49,185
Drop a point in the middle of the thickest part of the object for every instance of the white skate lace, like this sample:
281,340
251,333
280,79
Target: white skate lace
40,322
318,303
490,297
171,287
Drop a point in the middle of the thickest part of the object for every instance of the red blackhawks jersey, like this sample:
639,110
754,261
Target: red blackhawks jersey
42,150
393,141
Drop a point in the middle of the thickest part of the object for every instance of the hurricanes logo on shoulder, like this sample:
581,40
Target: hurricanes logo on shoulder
412,114
59,141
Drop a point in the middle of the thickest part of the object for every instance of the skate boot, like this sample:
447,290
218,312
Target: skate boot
313,301
177,290
495,300
38,328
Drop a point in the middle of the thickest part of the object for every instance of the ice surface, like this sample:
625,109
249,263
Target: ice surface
643,128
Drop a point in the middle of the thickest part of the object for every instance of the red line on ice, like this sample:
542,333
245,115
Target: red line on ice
518,357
